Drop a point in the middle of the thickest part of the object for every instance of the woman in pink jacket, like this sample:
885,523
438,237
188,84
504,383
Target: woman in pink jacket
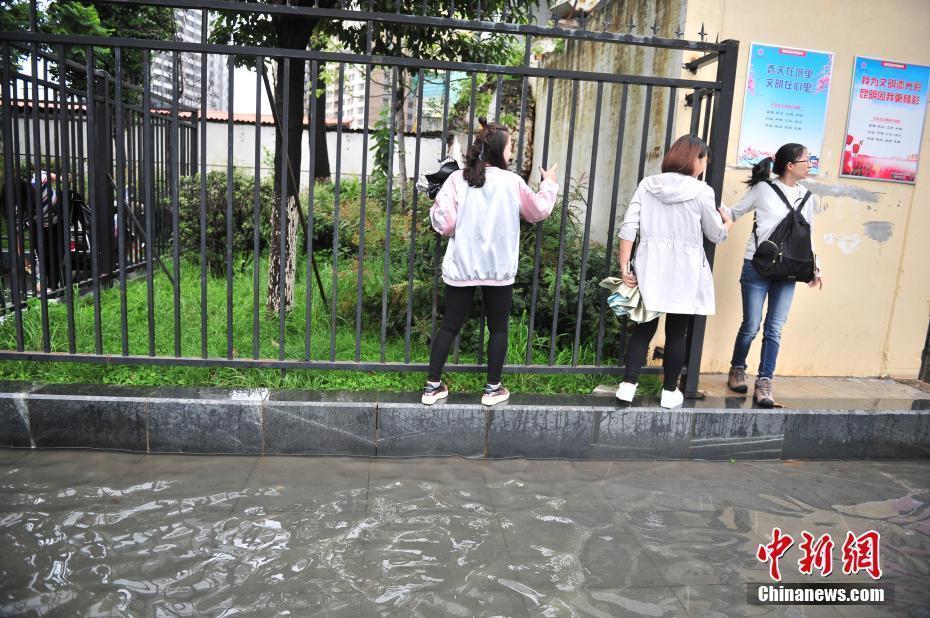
479,209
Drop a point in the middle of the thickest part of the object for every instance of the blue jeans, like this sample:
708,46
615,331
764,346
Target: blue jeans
755,290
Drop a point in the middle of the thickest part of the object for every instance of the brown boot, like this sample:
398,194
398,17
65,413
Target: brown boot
736,381
763,393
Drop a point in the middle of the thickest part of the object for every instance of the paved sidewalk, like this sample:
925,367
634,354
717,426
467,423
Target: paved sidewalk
715,385
95,533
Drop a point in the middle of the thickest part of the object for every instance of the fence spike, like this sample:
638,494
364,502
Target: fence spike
678,32
655,27
631,25
702,33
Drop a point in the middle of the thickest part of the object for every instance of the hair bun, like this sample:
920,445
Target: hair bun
483,121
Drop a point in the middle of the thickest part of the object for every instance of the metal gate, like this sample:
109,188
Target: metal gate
127,152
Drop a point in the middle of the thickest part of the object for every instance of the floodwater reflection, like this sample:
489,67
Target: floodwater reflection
93,533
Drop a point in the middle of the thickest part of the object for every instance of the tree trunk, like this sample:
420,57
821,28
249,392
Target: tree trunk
292,34
400,127
320,152
275,296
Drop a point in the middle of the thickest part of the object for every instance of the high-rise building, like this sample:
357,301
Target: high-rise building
189,22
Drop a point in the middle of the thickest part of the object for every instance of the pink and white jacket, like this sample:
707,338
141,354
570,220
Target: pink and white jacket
483,225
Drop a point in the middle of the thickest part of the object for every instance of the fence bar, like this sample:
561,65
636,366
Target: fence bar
41,267
442,23
609,250
120,205
566,191
12,229
411,250
527,51
471,136
670,121
159,188
314,76
437,245
203,188
284,204
148,172
174,175
363,199
335,57
587,221
22,169
256,207
336,212
54,245
131,162
707,116
550,87
164,361
95,197
696,97
363,202
396,83
230,140
644,144
65,159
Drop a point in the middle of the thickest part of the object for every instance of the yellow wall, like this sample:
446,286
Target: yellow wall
871,317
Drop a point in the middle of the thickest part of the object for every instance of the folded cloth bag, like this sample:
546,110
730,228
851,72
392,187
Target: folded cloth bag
626,300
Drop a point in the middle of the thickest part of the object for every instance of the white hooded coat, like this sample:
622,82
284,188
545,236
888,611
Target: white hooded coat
673,213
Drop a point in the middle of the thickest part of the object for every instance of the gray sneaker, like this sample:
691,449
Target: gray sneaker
736,381
763,393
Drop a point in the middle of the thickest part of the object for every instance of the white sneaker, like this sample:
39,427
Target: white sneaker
626,391
671,399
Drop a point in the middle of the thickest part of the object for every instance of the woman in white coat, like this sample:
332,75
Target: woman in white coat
672,213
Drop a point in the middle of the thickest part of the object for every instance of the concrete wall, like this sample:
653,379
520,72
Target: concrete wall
609,58
871,317
244,150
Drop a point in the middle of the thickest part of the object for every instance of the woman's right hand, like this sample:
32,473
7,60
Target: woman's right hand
627,276
727,221
549,174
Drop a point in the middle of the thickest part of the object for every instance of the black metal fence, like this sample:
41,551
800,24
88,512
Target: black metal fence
120,158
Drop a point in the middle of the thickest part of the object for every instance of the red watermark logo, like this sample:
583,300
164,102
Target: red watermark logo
859,553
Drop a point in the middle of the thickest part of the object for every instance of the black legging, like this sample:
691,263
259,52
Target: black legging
673,357
459,300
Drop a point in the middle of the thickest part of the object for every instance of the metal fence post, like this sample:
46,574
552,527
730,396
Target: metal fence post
719,137
924,374
103,181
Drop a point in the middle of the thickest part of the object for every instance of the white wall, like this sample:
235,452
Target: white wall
351,160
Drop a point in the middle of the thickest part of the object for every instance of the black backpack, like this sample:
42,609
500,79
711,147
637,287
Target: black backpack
432,183
786,255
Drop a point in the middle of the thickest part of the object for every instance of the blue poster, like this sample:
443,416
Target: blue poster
886,120
785,101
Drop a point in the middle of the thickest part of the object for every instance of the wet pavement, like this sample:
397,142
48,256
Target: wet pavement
117,534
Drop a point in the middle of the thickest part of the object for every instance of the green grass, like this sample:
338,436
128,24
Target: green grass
242,337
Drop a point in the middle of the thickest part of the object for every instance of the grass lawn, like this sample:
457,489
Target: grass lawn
268,334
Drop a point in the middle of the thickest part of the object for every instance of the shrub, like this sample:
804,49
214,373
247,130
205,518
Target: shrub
243,187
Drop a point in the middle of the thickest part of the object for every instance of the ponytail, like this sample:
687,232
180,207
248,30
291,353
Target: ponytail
487,149
788,153
760,172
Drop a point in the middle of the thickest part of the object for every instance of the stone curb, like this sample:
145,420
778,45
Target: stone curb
259,421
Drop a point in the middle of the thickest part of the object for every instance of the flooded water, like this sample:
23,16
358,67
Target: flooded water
92,533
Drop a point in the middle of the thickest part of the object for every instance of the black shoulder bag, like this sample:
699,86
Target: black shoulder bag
786,255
